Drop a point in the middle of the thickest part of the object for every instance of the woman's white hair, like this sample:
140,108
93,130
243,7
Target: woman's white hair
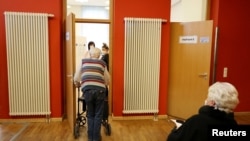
225,96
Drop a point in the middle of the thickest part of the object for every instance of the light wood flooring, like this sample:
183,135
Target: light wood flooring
121,130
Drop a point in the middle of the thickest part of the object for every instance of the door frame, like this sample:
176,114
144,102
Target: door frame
101,21
79,20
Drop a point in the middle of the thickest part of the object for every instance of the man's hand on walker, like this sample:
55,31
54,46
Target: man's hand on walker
77,84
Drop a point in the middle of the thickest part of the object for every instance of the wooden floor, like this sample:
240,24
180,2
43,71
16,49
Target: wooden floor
121,130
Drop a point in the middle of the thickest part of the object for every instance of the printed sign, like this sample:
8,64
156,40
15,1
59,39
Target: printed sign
67,36
188,39
204,39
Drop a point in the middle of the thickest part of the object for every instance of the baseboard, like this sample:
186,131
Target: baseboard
155,118
241,113
60,119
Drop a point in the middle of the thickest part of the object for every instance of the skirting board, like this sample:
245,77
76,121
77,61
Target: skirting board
60,119
241,113
139,117
235,114
31,120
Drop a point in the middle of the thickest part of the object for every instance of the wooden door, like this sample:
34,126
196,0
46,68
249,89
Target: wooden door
70,69
190,53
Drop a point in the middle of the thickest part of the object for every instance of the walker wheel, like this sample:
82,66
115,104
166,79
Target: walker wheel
82,120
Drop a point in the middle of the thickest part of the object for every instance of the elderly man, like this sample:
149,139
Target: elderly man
93,77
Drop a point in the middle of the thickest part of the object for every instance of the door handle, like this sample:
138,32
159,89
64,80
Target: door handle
203,75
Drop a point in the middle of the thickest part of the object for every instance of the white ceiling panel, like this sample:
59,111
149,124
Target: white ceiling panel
88,2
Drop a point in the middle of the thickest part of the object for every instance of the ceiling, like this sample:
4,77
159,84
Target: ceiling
88,3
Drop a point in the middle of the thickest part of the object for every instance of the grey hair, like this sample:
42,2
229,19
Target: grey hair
95,52
225,96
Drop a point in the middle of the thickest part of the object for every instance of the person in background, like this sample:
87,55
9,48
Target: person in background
91,44
221,101
105,54
93,77
105,58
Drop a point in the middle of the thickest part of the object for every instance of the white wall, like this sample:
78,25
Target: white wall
188,10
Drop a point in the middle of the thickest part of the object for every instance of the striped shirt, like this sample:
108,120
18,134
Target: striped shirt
92,74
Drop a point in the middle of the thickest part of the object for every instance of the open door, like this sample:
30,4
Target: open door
70,69
190,56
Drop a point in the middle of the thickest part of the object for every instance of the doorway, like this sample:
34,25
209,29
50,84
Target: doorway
88,21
